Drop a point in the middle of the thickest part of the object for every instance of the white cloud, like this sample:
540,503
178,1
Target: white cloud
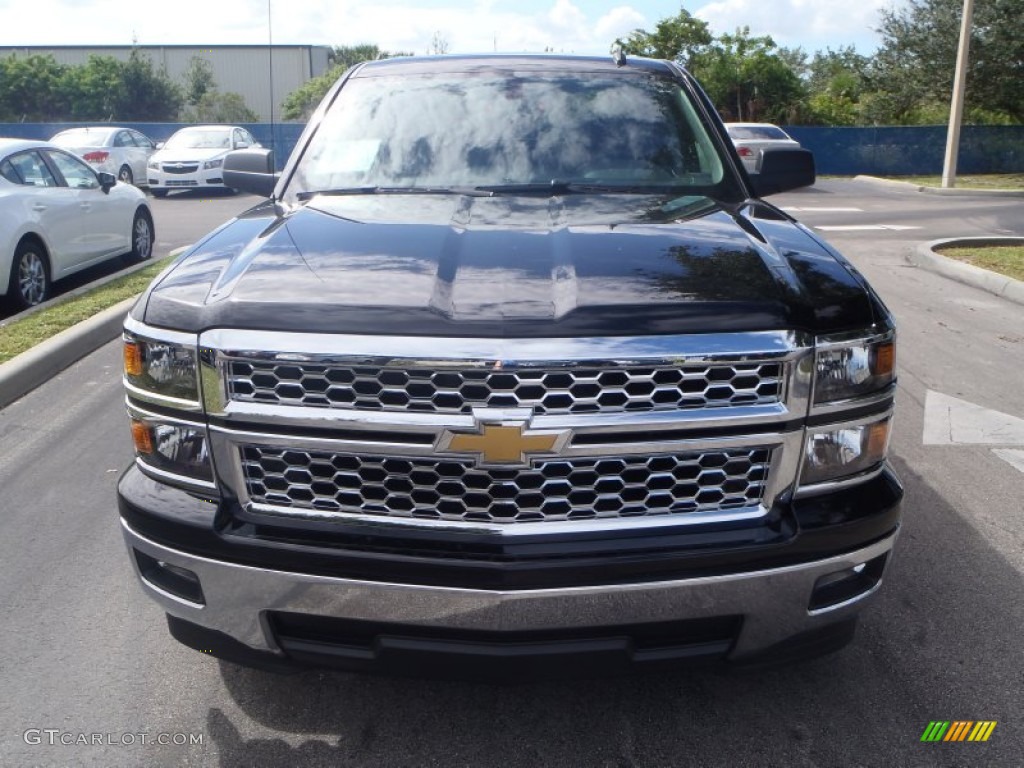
565,15
811,24
619,22
406,25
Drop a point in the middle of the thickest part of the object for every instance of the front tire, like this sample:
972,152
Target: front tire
142,236
29,282
125,175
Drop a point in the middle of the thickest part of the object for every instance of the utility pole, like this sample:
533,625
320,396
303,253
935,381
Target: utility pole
956,109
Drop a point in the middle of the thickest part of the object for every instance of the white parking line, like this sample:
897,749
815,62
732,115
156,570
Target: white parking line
1014,457
952,421
865,227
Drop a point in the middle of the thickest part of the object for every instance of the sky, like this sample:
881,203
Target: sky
467,26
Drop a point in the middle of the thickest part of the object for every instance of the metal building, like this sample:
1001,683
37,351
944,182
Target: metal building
243,69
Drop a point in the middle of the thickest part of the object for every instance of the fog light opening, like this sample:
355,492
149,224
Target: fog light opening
834,590
173,579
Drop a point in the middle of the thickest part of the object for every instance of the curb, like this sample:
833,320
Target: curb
941,191
23,373
924,256
80,291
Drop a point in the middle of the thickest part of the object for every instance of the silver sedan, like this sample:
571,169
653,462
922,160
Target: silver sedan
123,152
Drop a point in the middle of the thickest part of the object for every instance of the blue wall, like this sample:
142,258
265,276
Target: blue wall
912,150
886,151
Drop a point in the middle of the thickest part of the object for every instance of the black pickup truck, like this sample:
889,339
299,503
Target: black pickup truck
513,373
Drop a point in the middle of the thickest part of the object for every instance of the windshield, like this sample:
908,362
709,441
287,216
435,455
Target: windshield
82,138
632,131
200,139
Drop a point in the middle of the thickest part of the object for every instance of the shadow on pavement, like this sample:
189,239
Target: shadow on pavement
940,643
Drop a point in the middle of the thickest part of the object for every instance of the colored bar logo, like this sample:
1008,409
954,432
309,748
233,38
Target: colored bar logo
958,730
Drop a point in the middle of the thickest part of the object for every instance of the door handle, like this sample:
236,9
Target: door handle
85,206
39,206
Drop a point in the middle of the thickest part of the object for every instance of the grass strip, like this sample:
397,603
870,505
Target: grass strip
24,334
1005,259
983,181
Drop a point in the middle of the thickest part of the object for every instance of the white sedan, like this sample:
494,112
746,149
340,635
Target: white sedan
193,158
751,138
58,216
123,152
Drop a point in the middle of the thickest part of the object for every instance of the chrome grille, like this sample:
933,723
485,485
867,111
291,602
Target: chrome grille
180,167
554,391
311,483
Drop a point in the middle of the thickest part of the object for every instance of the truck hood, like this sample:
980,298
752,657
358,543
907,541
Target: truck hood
509,266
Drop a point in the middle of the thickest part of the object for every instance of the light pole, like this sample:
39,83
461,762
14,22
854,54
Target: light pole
956,109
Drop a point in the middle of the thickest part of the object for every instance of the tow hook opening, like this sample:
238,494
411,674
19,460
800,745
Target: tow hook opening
839,588
177,581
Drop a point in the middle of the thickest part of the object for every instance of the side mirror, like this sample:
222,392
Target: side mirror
158,145
250,170
782,170
107,181
242,145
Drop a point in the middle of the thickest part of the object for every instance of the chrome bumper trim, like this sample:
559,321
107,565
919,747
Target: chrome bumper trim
773,602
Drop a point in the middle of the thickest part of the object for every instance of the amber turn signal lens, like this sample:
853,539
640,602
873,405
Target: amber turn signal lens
878,438
142,436
133,358
885,359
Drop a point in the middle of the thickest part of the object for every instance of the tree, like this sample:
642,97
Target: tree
147,93
678,38
205,103
748,80
836,85
30,88
301,102
198,79
217,107
93,91
913,71
438,45
37,88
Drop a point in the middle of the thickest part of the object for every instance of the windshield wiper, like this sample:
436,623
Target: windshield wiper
545,189
342,191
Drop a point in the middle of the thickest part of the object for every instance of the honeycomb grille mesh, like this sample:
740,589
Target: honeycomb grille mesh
325,484
569,390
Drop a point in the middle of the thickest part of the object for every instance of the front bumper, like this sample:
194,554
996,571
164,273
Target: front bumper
270,618
196,180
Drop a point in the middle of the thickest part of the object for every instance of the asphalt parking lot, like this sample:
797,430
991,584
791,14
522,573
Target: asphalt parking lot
87,653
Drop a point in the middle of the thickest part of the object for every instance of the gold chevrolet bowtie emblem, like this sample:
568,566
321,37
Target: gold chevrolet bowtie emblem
500,444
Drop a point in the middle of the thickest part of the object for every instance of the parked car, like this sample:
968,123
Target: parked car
192,157
123,152
751,138
516,374
58,216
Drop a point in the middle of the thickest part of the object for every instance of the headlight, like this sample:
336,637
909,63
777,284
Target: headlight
849,369
153,165
840,452
207,165
162,370
174,450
